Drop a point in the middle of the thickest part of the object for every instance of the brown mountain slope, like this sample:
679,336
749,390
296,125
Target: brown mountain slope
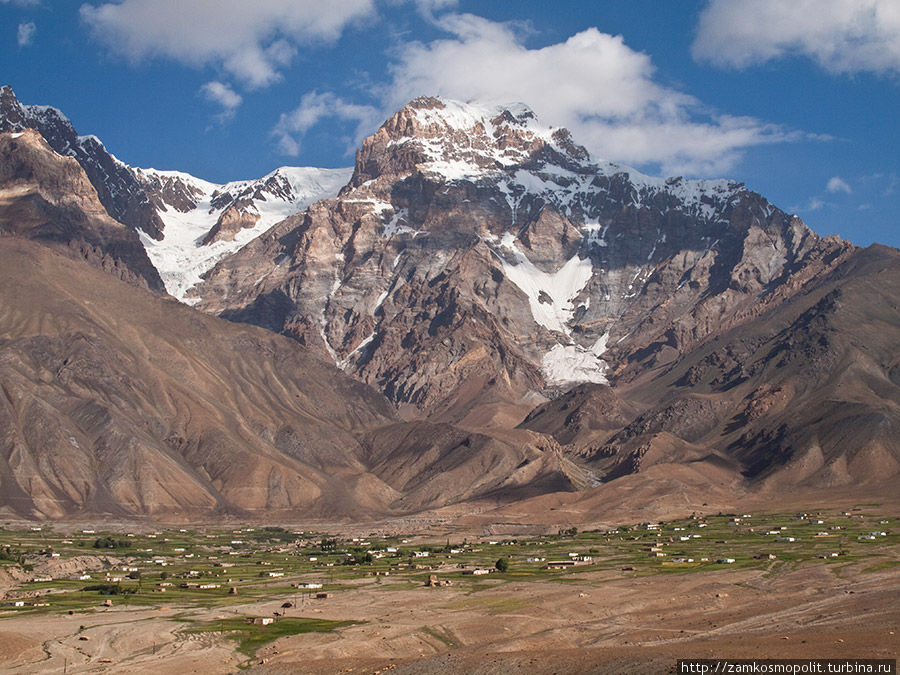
747,356
47,197
582,416
479,258
114,400
424,462
805,398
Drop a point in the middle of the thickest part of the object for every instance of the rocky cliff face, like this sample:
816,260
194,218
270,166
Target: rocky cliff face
484,274
47,197
123,197
477,256
121,402
186,224
805,397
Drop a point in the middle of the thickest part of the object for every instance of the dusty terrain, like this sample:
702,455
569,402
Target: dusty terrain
600,621
607,622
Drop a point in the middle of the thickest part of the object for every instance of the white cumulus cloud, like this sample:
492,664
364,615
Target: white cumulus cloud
838,184
251,40
25,33
842,36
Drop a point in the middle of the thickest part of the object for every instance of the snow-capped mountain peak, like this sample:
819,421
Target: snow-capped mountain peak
186,224
509,147
457,140
206,221
465,219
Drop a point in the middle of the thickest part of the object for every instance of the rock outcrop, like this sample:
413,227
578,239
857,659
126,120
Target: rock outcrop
513,320
121,194
47,197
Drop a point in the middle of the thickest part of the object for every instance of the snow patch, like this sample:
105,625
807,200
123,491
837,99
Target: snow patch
377,206
455,169
328,347
393,226
344,364
550,294
380,300
595,233
571,364
180,257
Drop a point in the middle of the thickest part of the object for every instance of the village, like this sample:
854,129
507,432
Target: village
296,573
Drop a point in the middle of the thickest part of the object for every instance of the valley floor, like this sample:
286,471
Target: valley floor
620,612
607,623
600,622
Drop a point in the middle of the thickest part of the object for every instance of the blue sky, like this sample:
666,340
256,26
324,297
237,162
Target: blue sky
799,99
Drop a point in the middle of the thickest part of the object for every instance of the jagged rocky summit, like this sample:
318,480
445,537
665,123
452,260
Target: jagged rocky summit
186,224
47,197
205,222
478,257
121,194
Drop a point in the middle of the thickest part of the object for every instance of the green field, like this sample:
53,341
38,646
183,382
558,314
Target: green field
198,568
250,637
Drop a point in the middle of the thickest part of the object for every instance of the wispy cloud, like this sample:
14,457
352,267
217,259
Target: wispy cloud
842,36
25,33
224,95
252,41
814,204
838,184
429,7
312,109
835,186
